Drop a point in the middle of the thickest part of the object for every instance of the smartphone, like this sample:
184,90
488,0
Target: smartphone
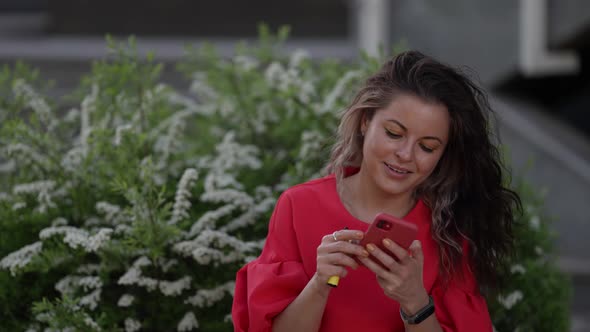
386,226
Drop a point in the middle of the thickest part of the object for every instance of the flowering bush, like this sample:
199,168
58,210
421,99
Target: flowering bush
134,209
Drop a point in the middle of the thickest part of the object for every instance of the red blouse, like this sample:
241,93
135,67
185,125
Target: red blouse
302,216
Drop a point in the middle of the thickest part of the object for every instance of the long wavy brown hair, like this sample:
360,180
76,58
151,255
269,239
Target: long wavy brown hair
466,191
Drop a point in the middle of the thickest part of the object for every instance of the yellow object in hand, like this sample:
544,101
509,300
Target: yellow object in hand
333,281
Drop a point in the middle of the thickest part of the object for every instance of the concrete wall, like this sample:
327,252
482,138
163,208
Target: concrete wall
480,34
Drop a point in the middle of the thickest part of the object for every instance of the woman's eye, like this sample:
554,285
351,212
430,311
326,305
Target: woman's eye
426,149
392,135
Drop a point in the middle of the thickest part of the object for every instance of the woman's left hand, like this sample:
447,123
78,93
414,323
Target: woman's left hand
401,280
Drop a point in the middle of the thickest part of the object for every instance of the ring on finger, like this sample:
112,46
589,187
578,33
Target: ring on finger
334,236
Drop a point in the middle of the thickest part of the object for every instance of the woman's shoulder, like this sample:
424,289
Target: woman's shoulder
321,186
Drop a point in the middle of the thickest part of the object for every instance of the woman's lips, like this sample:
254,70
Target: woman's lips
396,171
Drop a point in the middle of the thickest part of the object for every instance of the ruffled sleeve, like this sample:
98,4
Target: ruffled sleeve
459,305
267,285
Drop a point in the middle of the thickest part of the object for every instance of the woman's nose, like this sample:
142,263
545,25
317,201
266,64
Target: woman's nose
404,152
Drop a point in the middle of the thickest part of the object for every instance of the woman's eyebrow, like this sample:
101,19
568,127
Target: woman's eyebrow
399,124
406,129
433,137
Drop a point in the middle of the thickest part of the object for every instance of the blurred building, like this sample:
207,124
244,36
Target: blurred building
532,55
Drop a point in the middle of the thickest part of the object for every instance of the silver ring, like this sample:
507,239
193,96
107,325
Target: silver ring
334,236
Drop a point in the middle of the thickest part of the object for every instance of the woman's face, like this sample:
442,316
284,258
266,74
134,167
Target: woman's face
403,143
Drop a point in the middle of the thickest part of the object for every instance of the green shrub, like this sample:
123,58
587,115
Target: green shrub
135,209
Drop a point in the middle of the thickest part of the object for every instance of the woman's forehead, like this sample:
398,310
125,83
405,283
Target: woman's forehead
412,113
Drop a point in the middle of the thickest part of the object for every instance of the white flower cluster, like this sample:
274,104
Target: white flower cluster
25,154
168,144
20,258
167,264
535,222
119,133
517,268
202,250
87,108
32,328
227,318
59,221
264,117
297,57
250,216
208,297
310,144
188,322
23,90
151,97
201,89
134,276
289,78
72,115
91,300
189,106
110,212
76,237
67,285
511,299
72,159
209,218
88,269
97,240
252,207
132,325
246,63
219,179
41,188
91,323
8,167
226,107
4,197
46,317
236,197
339,88
126,300
175,288
233,155
19,205
182,198
71,283
90,282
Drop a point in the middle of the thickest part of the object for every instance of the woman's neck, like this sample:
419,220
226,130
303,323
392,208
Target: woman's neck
364,199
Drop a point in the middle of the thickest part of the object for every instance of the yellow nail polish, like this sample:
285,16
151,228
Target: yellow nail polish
370,247
387,242
365,253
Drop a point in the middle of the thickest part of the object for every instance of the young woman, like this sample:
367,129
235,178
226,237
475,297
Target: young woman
414,143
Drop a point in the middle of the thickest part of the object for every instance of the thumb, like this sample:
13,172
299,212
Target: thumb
416,250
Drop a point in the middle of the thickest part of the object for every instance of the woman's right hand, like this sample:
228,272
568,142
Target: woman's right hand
334,255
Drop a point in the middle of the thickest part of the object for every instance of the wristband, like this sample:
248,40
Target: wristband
421,315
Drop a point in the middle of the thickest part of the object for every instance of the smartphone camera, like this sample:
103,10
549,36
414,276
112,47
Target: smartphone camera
384,225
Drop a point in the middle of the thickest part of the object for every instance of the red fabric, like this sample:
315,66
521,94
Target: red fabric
302,216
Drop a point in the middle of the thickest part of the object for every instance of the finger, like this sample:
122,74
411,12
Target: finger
400,253
344,247
416,250
376,268
344,235
328,271
339,259
383,257
383,260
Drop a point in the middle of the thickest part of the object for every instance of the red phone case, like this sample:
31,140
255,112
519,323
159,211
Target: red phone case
386,226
